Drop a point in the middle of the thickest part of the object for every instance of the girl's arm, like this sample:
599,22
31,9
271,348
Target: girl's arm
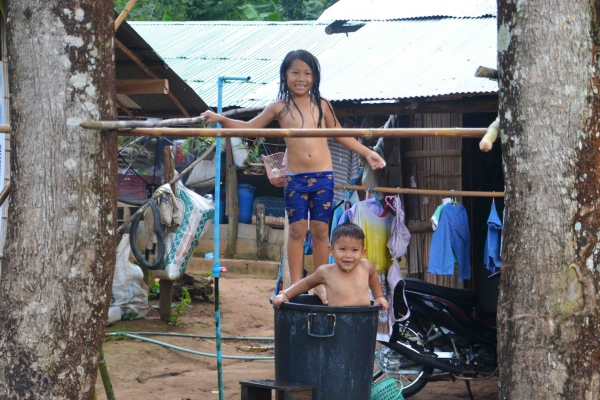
300,287
374,159
376,289
260,121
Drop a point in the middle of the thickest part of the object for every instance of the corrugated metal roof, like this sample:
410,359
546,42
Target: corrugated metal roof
406,59
385,10
199,52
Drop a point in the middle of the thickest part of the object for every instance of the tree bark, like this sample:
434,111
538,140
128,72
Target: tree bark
60,249
548,320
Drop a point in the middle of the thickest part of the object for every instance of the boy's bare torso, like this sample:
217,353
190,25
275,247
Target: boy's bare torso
347,288
305,154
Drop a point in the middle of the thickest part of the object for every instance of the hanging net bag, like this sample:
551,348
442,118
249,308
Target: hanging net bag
275,167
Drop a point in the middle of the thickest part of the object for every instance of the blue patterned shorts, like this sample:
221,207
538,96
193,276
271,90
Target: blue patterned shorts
306,191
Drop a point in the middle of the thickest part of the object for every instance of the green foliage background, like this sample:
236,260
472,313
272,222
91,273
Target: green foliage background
225,10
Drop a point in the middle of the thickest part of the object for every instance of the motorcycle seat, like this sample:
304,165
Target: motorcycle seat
463,298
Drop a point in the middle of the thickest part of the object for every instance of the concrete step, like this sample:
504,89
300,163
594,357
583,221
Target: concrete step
267,269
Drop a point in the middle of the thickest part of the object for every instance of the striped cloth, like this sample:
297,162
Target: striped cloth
345,166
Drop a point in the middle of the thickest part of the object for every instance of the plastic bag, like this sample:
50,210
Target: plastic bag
180,244
129,291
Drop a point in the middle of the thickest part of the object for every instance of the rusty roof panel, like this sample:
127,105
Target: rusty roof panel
386,10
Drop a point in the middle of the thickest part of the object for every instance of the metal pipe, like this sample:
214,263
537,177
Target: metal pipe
217,230
475,133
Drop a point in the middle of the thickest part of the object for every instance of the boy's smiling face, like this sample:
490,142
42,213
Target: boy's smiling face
347,252
299,78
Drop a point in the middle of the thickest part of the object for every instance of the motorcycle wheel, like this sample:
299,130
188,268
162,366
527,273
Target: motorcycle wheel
389,363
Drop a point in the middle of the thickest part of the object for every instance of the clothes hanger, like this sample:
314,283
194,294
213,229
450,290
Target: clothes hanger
387,202
454,202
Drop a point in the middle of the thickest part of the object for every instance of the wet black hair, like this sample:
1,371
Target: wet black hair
348,230
284,92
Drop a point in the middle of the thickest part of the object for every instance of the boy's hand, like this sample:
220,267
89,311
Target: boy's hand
210,117
375,160
382,302
322,293
280,299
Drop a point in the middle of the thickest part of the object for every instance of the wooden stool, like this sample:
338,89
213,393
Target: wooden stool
261,390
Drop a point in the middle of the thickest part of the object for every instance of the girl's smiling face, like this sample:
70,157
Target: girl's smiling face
299,78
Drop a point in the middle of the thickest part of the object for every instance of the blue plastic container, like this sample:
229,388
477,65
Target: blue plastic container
246,199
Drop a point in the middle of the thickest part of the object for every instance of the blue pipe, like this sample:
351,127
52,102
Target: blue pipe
198,353
217,231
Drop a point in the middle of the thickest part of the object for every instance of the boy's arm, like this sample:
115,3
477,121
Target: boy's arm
374,283
260,121
374,159
300,287
375,286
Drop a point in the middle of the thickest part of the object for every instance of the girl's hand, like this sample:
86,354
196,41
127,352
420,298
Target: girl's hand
375,160
382,302
280,299
210,117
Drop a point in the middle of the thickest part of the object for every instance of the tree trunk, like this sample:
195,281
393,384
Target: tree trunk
60,248
548,321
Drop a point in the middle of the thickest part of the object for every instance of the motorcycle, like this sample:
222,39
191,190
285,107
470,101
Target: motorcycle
439,341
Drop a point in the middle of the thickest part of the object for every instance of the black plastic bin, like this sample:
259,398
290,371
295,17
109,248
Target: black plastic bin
329,347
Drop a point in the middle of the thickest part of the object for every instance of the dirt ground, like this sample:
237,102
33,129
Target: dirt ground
142,370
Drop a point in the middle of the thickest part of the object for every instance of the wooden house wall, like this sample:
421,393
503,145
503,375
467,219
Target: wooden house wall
440,172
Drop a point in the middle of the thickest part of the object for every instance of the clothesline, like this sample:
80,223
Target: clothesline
379,189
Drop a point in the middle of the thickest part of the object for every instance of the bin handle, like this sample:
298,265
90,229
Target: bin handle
310,316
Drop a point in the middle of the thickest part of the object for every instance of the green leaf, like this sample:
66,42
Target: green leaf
251,12
276,16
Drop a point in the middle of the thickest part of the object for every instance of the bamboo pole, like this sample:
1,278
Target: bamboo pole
124,13
166,286
4,128
304,133
163,123
172,181
110,394
4,194
422,191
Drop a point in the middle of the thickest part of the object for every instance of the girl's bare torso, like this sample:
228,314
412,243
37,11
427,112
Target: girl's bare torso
304,154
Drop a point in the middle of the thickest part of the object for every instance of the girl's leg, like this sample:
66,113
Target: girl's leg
295,248
320,234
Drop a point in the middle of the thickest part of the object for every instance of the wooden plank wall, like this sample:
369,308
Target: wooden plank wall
440,173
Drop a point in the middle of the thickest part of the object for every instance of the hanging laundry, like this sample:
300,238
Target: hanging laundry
345,166
491,252
400,236
308,244
452,234
398,244
366,214
438,212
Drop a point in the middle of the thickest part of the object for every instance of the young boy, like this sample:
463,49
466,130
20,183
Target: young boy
348,280
309,176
